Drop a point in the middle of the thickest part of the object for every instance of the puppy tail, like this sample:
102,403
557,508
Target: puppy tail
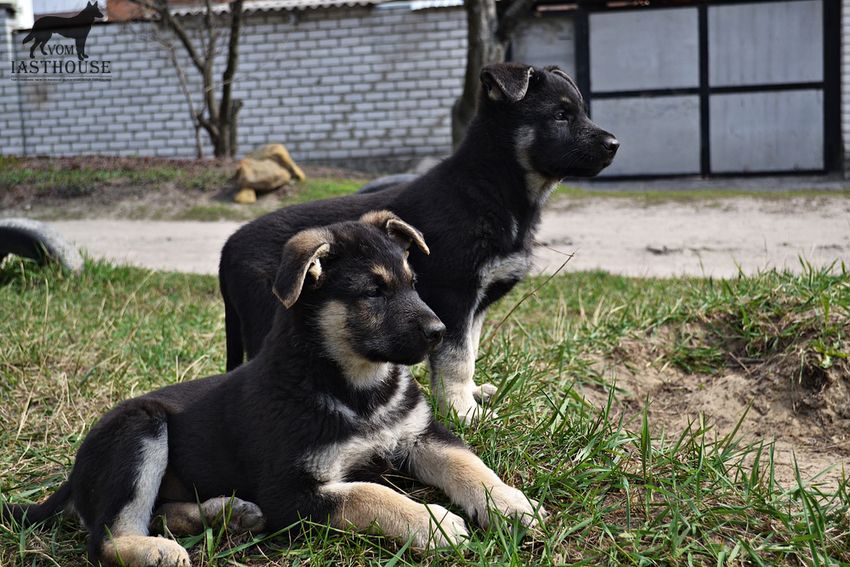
28,514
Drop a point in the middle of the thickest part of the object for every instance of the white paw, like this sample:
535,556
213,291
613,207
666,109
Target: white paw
465,405
484,392
444,529
512,503
166,553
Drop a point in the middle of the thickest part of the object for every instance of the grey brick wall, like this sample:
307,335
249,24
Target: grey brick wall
11,129
365,87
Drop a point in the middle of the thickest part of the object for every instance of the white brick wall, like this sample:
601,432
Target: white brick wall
365,87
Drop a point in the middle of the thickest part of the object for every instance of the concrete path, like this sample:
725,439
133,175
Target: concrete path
710,238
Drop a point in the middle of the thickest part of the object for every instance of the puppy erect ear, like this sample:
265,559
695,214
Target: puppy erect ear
399,230
301,256
506,81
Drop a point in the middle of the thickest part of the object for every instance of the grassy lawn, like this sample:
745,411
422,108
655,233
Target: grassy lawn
72,347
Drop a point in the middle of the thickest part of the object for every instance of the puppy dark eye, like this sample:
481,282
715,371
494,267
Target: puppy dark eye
561,115
374,292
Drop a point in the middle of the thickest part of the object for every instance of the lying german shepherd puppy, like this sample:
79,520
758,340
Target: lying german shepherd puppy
479,210
303,430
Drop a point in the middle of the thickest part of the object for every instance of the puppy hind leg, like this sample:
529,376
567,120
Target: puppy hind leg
125,539
188,518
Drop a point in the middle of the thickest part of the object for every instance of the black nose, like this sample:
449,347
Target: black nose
611,145
434,331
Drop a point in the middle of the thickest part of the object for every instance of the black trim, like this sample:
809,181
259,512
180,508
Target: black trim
833,147
768,87
581,25
704,92
648,93
704,89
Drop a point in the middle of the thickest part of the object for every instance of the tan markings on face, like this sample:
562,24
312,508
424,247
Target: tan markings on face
360,372
384,273
408,273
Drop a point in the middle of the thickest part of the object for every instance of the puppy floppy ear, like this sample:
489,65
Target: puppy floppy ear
301,256
397,229
506,81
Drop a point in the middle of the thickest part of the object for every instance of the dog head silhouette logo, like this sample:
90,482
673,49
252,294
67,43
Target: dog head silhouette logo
76,27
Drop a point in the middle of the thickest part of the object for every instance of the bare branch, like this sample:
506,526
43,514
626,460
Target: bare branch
236,7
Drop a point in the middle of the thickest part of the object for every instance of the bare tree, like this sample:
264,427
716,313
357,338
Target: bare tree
217,116
488,35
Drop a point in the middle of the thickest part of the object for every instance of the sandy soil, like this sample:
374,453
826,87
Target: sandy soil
703,238
711,238
810,424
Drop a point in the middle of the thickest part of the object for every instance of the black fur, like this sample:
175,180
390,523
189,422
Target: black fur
480,204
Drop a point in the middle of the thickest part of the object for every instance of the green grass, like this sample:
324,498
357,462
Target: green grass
73,346
57,178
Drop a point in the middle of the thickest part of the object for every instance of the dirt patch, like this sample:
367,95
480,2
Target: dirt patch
789,398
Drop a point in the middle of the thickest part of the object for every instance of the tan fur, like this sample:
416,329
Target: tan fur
145,551
361,372
188,518
469,483
310,245
539,187
408,273
366,506
383,273
388,221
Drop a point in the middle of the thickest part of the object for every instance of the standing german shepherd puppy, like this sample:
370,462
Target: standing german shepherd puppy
479,210
303,430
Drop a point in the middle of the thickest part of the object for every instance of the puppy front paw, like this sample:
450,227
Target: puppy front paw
484,392
512,503
443,529
466,406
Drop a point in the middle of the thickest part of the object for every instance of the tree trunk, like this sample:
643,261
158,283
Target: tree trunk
488,36
483,48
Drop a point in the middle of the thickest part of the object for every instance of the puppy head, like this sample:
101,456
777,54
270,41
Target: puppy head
352,281
543,111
